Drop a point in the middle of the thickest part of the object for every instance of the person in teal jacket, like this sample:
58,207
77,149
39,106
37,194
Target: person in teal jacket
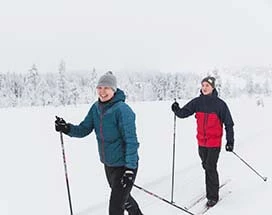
114,124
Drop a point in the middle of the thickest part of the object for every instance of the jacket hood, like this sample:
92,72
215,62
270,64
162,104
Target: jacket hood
119,95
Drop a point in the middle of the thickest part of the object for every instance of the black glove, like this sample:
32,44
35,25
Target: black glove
175,107
128,178
61,125
229,147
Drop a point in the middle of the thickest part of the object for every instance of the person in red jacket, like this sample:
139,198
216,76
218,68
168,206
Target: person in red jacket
211,113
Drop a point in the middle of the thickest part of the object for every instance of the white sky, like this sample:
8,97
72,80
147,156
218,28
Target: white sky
172,35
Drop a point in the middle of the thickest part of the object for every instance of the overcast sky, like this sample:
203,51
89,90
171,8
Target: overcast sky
166,35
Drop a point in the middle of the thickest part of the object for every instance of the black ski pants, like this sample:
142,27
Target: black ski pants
120,198
209,158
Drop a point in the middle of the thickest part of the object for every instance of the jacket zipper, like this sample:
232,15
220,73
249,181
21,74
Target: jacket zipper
102,137
205,127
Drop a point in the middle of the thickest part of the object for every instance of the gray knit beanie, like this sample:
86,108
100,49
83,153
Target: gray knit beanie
210,80
108,80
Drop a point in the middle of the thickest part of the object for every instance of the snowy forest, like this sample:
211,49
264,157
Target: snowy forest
65,87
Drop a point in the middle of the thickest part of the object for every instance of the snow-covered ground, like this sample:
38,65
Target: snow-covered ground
32,173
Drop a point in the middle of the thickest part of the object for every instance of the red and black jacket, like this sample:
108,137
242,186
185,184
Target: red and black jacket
211,113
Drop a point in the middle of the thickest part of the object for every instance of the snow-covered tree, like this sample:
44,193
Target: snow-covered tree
62,85
249,86
11,90
93,83
65,87
43,91
218,82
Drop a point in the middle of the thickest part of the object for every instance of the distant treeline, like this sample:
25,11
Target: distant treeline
66,88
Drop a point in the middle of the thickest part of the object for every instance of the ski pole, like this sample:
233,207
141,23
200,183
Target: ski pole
264,178
173,161
66,173
162,199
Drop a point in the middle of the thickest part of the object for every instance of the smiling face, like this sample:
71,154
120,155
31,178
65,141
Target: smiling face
206,88
104,93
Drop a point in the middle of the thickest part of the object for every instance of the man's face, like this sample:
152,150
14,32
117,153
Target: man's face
206,88
105,93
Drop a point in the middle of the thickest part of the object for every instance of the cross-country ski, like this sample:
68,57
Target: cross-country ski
202,196
205,208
